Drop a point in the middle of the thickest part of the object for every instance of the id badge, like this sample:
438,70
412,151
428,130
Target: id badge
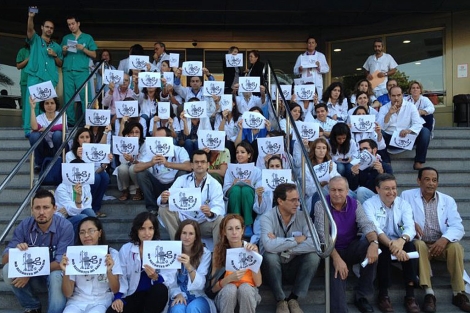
285,254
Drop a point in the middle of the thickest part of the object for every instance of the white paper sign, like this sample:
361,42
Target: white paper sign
249,84
270,145
304,80
308,61
234,60
72,46
170,78
97,117
411,255
253,120
160,145
185,199
362,123
365,160
192,68
113,76
405,143
86,260
241,258
195,109
127,108
95,152
272,178
226,102
161,254
29,263
213,88
308,130
78,173
125,145
42,91
174,60
323,171
304,92
163,110
286,90
241,171
211,139
149,79
138,62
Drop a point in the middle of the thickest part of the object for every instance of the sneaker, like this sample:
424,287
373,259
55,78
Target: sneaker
281,307
294,306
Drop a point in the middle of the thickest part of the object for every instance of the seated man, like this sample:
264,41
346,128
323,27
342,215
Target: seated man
439,229
384,99
287,248
393,219
213,207
156,173
363,182
42,229
403,116
350,248
326,123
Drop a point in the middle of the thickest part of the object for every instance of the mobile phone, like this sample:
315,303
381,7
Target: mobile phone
33,10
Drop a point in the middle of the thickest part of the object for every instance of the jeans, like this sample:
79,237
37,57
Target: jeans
98,190
300,269
43,150
421,143
363,193
198,305
151,188
28,300
77,218
190,146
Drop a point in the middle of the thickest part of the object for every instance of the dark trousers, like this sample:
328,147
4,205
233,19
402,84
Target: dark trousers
153,300
421,143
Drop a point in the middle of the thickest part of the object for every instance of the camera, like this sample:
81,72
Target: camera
194,43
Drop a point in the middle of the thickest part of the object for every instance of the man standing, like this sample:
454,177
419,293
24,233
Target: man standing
42,229
212,198
78,48
401,115
288,248
159,56
321,67
383,63
393,219
439,229
350,248
44,58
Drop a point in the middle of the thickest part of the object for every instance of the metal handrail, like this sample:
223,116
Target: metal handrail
54,159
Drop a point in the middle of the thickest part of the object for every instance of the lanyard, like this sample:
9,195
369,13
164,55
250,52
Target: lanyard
282,226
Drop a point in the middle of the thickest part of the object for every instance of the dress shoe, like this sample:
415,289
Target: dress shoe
281,307
462,302
384,304
411,305
429,305
294,306
363,305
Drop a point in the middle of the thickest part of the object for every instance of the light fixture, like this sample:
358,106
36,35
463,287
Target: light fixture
359,69
406,41
337,50
418,63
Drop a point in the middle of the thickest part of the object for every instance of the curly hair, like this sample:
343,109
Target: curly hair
220,249
327,94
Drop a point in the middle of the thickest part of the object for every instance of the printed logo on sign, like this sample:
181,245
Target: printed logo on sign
275,181
95,155
159,148
363,125
366,158
173,60
185,203
78,177
225,103
112,78
244,261
97,119
271,148
322,169
307,133
402,143
192,69
126,110
163,259
139,64
311,61
234,60
149,81
211,143
30,266
240,174
42,94
122,147
162,110
213,89
195,111
87,264
249,85
253,121
286,93
304,94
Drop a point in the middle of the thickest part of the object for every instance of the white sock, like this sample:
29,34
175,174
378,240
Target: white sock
428,290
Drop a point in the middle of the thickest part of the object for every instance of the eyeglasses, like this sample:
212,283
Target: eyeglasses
200,162
388,189
90,232
293,200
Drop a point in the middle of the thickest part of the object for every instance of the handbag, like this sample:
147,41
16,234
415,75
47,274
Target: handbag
208,287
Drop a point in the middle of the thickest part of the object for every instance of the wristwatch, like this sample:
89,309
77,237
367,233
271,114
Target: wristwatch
404,238
374,241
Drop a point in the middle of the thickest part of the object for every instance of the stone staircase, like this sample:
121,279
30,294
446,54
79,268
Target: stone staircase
448,153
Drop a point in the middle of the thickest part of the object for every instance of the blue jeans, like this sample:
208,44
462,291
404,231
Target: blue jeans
43,150
344,169
77,218
190,146
198,305
28,300
421,143
364,193
98,190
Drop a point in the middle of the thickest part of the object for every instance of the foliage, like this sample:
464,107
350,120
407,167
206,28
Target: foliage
5,80
402,79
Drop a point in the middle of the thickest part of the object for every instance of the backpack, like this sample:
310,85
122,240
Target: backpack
54,177
208,287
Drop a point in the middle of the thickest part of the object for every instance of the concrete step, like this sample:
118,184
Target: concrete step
441,163
451,176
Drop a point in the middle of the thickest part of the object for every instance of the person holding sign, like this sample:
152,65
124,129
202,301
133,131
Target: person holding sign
247,100
159,56
241,284
231,74
91,293
42,229
148,101
296,111
250,135
227,121
187,292
362,100
195,83
343,148
51,143
171,122
141,287
190,127
256,66
336,102
376,135
118,94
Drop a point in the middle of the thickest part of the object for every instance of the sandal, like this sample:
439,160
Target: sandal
100,214
138,195
124,195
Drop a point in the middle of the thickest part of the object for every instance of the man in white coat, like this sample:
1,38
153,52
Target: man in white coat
439,229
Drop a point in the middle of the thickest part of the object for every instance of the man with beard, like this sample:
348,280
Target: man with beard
382,62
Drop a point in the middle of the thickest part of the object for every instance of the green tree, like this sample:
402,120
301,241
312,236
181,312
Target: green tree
5,80
402,79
